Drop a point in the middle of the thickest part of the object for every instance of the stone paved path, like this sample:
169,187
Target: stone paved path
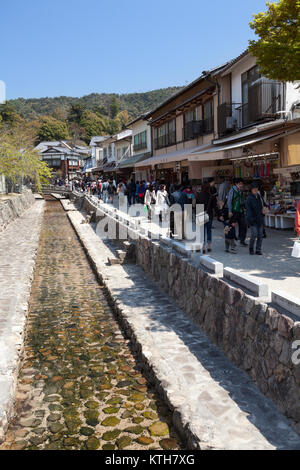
18,247
79,386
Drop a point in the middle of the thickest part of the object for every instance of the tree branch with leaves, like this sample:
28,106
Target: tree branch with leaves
277,48
19,160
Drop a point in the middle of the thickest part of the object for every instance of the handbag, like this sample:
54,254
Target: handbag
264,210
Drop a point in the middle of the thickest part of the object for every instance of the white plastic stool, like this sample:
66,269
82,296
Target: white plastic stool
296,249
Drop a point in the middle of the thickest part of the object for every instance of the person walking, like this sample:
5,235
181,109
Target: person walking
224,189
121,192
177,216
111,191
131,192
149,200
236,207
255,218
162,202
104,188
206,198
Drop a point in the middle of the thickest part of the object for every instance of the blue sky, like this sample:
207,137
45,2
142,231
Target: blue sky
77,47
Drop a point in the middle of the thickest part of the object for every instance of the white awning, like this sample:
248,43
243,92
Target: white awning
219,152
178,156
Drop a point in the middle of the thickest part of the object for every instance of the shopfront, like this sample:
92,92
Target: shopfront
274,187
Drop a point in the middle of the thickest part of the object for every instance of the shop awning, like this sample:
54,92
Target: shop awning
219,152
110,166
170,157
131,161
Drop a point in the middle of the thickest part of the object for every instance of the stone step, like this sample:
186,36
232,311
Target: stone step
112,261
215,404
121,254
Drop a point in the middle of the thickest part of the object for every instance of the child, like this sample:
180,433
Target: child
229,230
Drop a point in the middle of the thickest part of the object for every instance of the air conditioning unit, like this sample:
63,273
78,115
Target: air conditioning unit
230,122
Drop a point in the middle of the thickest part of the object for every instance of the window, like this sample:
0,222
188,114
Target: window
193,128
191,116
208,117
165,135
140,141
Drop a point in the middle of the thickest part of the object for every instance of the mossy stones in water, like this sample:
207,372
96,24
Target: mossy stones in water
110,410
53,417
127,414
135,429
168,444
137,420
92,405
108,446
136,397
55,407
123,442
92,443
139,406
110,435
114,401
145,440
37,440
110,421
150,415
86,393
124,383
91,417
55,427
86,431
71,442
159,429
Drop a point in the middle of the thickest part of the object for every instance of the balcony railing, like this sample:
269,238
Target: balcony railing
165,140
208,125
264,101
140,146
228,117
192,130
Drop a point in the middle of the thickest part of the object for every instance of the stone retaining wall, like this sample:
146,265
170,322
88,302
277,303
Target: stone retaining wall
252,334
14,207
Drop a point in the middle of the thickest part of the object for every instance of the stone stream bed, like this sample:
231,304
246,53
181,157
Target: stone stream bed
80,387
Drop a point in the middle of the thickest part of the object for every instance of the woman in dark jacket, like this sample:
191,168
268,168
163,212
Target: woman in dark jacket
207,199
255,218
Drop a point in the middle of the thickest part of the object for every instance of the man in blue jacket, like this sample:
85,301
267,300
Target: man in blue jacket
255,218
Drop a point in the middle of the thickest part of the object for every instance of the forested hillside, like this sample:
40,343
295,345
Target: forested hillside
134,103
65,117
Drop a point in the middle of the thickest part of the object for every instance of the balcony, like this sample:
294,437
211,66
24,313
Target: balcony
264,101
192,130
165,140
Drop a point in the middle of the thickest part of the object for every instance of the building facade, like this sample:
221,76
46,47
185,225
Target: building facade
64,158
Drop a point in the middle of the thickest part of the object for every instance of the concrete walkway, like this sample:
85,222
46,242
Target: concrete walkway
276,267
18,247
215,405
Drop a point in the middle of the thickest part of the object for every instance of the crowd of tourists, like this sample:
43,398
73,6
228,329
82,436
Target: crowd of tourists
226,203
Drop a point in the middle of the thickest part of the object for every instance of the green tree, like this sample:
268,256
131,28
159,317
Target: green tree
76,112
92,124
19,160
114,108
277,48
52,129
8,114
122,119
